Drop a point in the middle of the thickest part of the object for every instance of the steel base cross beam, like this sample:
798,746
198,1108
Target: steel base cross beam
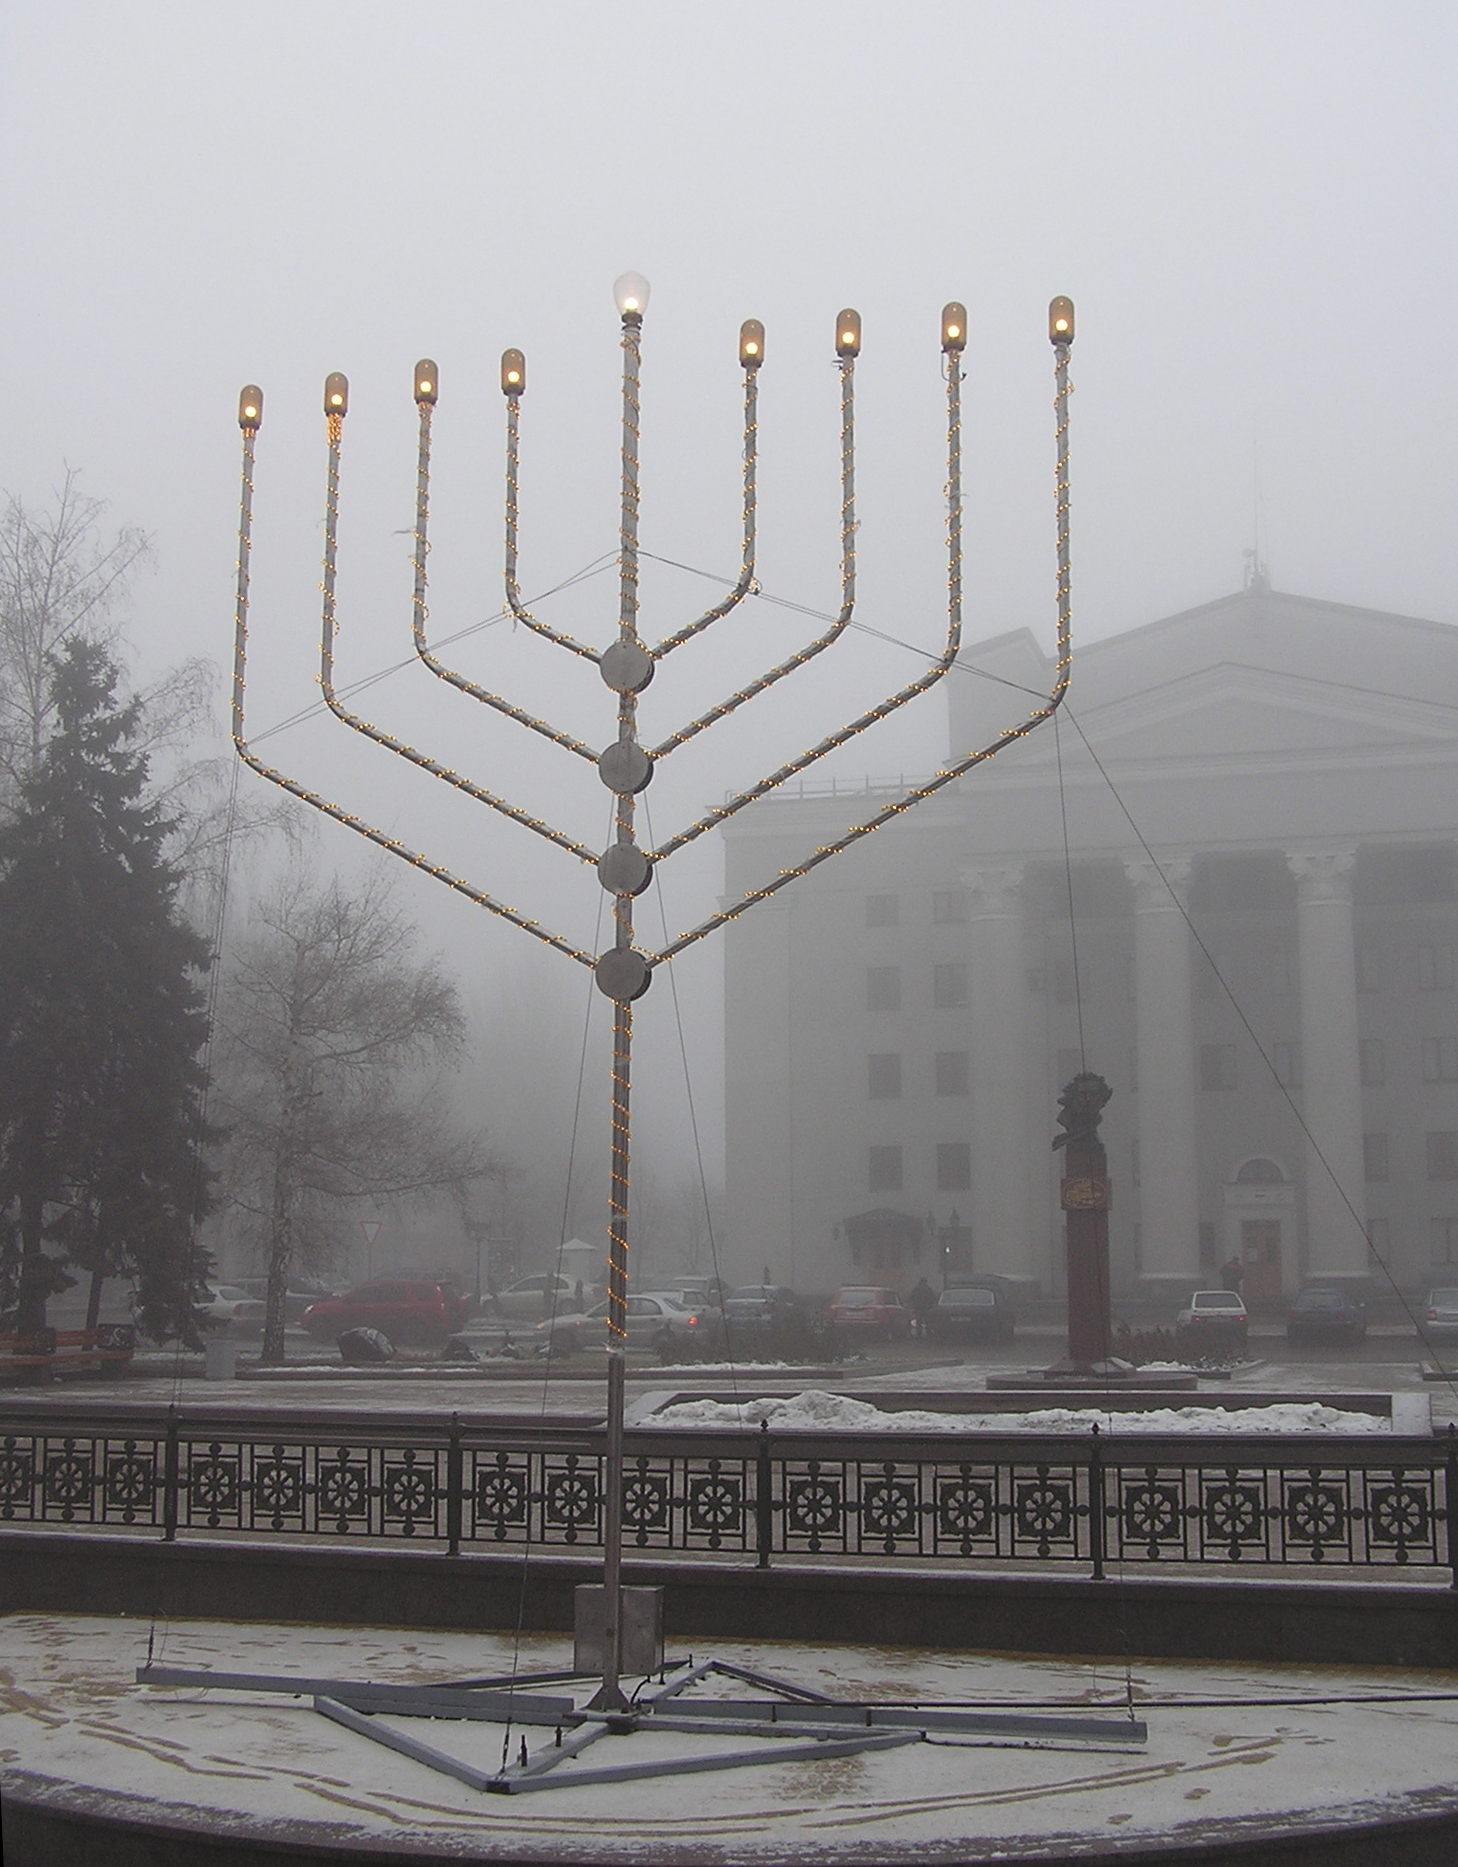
788,1722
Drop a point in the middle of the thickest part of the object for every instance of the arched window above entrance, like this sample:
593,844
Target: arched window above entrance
1260,1170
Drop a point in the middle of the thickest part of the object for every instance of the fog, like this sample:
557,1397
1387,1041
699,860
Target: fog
1251,206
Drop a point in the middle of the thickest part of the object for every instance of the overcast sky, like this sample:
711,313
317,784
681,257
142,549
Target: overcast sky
1251,205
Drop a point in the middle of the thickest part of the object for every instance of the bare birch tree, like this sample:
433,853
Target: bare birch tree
332,1049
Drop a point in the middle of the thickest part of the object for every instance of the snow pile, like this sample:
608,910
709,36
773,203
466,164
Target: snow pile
816,1411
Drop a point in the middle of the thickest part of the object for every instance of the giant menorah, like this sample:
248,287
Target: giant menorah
626,766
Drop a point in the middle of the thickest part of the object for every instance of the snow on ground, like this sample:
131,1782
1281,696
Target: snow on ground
816,1411
77,1731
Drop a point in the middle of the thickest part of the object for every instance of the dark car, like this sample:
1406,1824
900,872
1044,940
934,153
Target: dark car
408,1312
972,1313
871,1312
1326,1314
765,1316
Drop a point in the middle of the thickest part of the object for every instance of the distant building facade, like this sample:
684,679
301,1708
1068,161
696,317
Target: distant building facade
1277,814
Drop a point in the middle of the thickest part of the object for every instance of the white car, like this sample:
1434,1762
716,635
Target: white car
227,1305
529,1299
1214,1316
656,1320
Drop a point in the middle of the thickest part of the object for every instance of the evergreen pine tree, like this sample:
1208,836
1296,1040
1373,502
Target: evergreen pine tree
102,1021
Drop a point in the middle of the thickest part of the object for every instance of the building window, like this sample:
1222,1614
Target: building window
952,1073
949,985
1374,1066
1286,1059
949,908
1369,969
883,1078
1440,1059
954,1166
1374,1156
884,1175
883,988
883,910
1435,968
1443,1154
1134,1163
1444,1237
1217,1066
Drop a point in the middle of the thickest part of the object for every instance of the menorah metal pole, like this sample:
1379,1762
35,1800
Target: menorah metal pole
624,868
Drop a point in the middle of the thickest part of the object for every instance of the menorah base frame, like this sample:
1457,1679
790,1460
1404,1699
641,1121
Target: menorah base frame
789,1722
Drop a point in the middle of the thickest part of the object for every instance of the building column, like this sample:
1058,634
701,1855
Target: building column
1002,1213
1164,1028
1331,1099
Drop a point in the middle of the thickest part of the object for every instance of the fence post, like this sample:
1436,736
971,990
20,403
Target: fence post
763,1504
1450,1499
1096,1504
171,1463
455,1473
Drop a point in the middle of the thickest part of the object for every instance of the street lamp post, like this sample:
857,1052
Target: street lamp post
625,765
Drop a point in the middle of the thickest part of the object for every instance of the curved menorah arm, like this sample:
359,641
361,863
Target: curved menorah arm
365,727
251,409
919,793
847,580
922,684
745,585
513,383
419,610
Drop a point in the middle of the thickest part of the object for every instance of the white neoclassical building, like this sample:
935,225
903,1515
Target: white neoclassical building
1262,809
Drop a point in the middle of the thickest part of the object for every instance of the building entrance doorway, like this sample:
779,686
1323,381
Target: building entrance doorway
1261,1230
1260,1262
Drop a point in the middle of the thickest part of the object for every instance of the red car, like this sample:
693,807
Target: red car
871,1311
418,1313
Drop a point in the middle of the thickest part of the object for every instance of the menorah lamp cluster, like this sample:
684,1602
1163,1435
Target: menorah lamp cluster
626,765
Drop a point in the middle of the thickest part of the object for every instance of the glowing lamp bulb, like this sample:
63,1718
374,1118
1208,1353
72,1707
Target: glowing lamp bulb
250,408
427,381
751,343
336,394
954,327
1060,321
630,295
848,334
513,372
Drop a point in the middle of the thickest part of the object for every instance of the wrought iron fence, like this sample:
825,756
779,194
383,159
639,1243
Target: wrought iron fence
1372,1502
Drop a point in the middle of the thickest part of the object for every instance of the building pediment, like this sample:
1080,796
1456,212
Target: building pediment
1237,712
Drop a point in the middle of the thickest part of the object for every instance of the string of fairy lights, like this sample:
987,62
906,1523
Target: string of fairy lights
751,356
427,391
250,417
848,343
624,870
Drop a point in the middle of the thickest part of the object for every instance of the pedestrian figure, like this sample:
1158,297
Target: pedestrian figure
1230,1275
923,1302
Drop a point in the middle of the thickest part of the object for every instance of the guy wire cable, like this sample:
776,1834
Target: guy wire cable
694,1121
1316,1148
204,1094
552,1319
1123,1599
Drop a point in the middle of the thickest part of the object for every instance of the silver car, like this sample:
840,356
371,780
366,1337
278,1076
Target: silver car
655,1321
1440,1319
